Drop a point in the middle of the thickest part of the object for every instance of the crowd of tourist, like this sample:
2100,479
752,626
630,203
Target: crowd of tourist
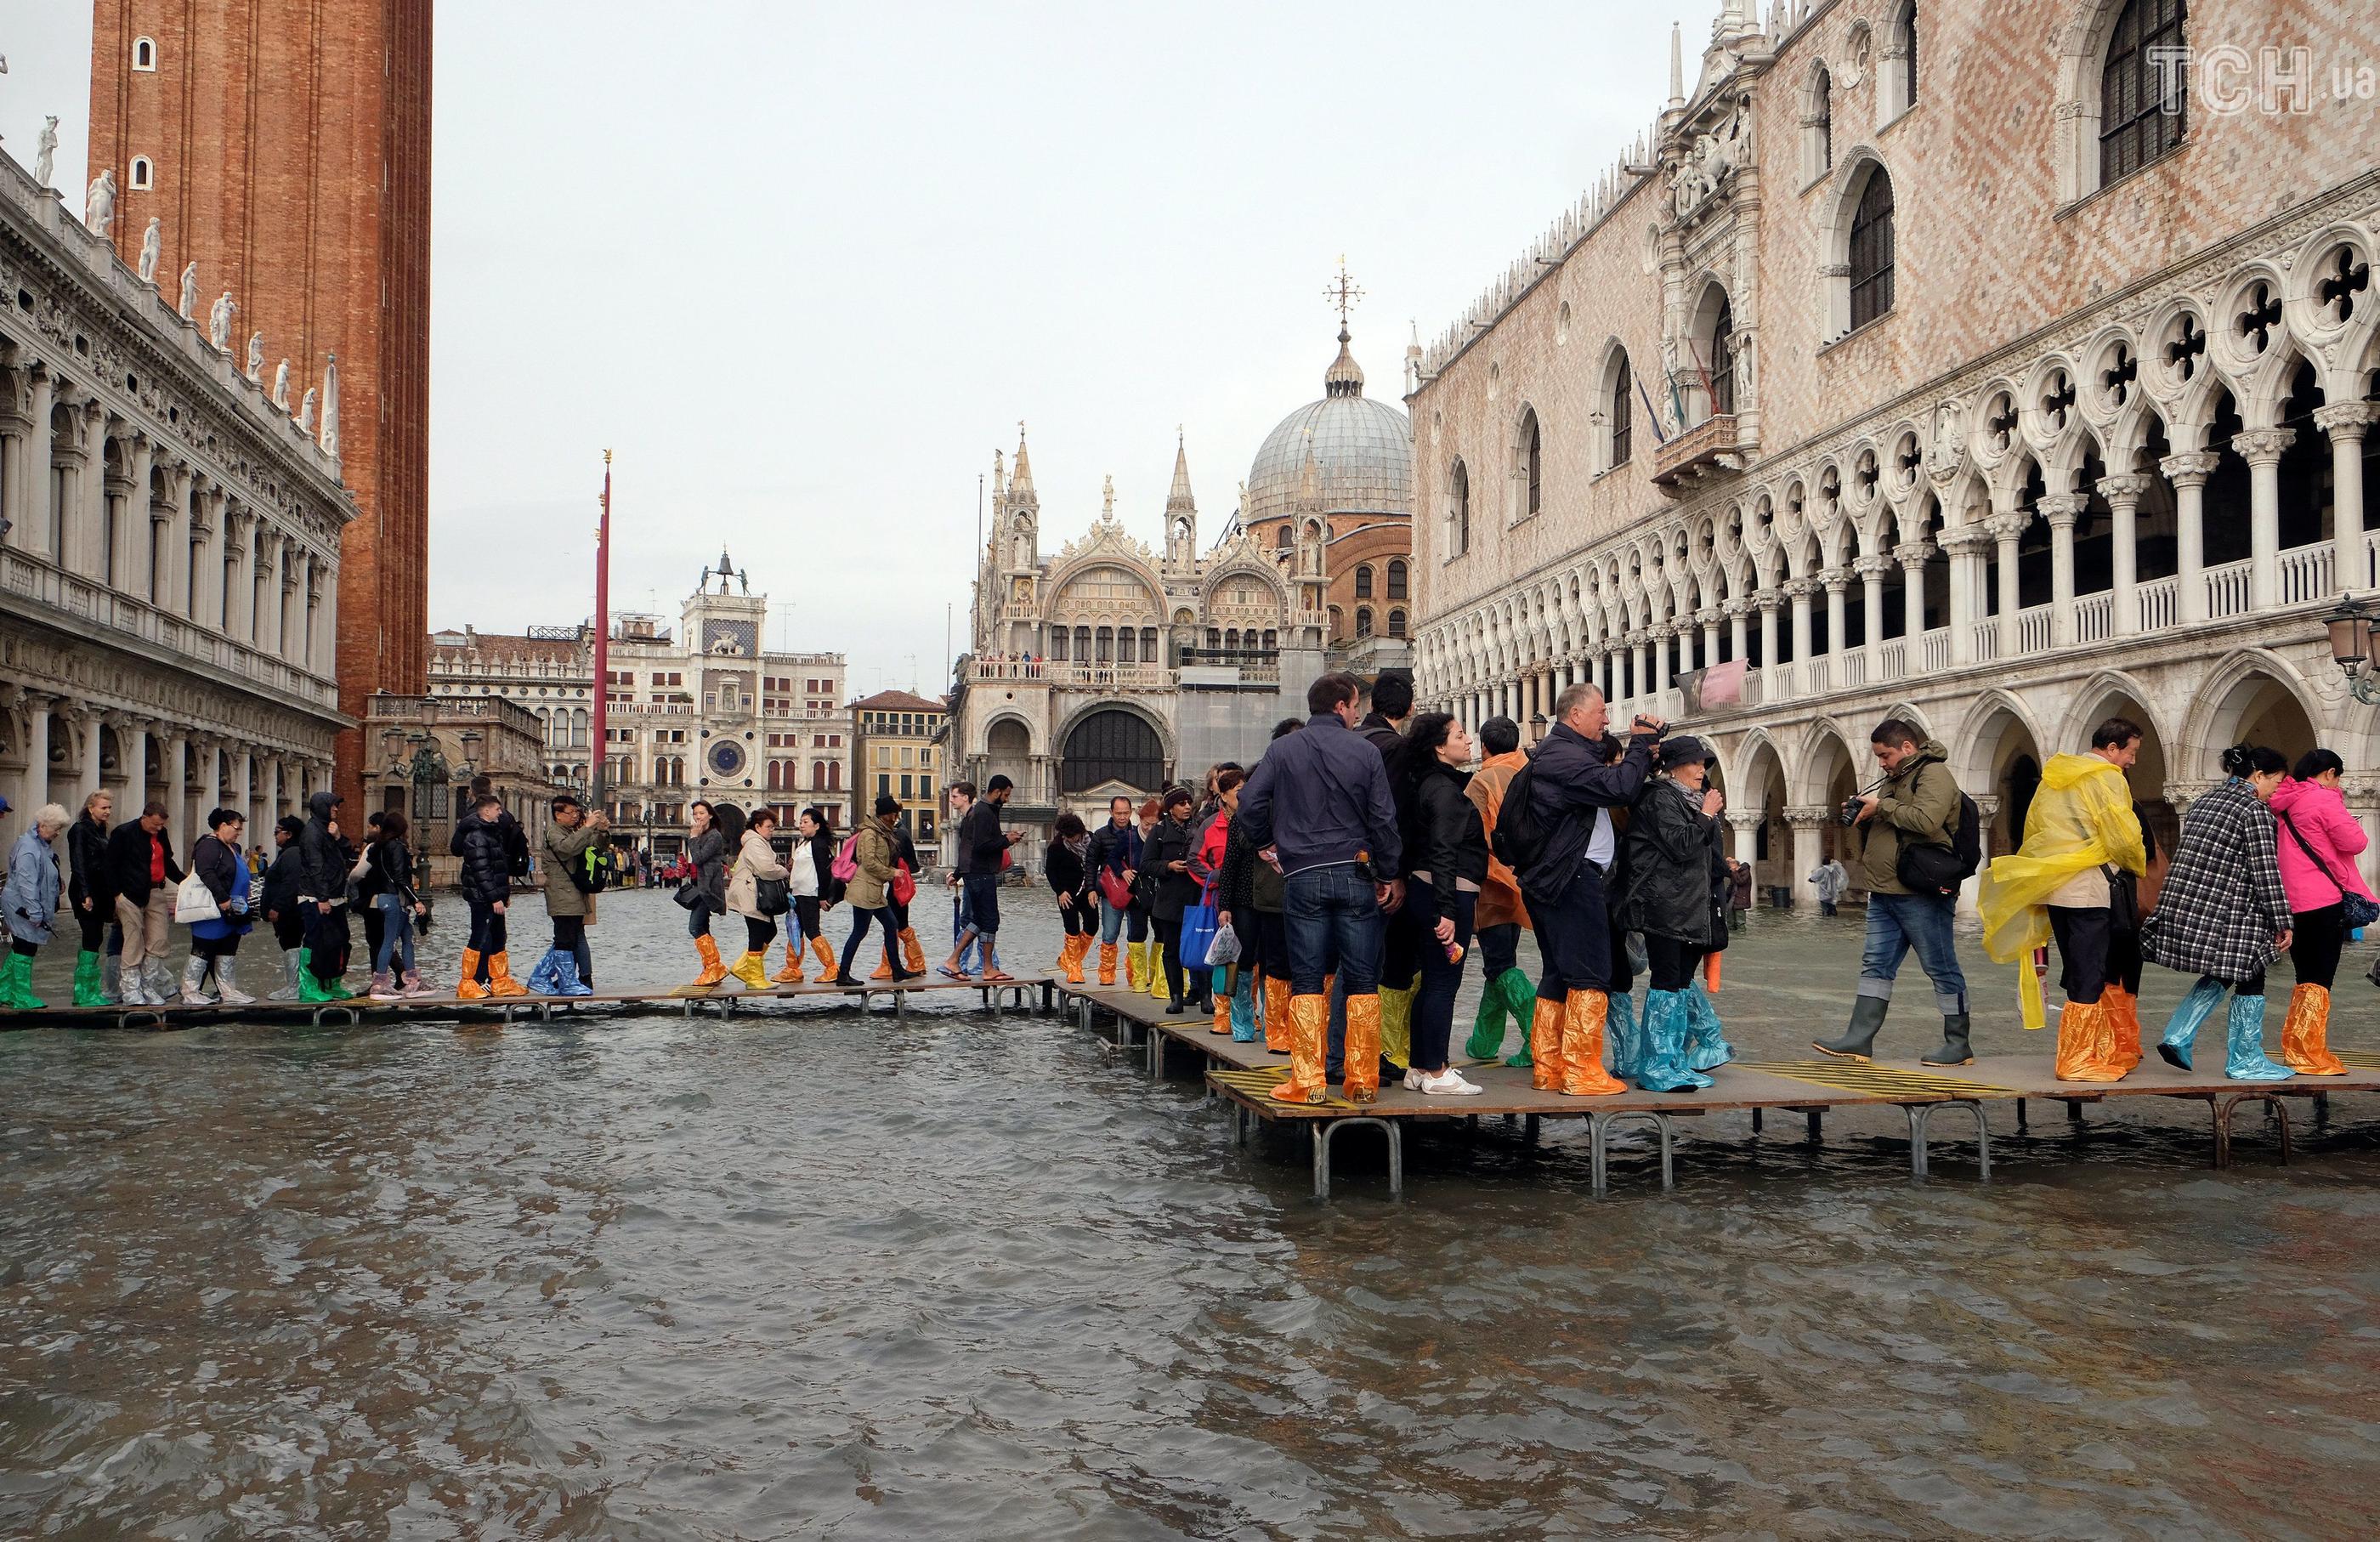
1328,900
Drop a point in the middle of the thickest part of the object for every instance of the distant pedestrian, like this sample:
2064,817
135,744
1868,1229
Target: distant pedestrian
284,880
88,896
215,941
487,884
756,862
987,847
394,974
323,901
1445,864
1831,881
876,850
1067,867
142,876
1168,854
1115,860
2320,842
2224,914
704,891
810,868
1505,991
572,834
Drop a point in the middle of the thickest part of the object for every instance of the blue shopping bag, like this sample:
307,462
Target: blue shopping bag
1197,931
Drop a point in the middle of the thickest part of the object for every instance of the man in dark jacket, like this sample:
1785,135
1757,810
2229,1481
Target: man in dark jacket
322,865
1572,794
282,882
1391,712
141,875
1320,799
487,883
985,842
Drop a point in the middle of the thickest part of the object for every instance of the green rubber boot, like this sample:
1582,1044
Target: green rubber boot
88,991
17,985
1521,1000
310,985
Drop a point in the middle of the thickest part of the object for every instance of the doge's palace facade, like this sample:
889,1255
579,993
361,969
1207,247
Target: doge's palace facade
169,573
1989,365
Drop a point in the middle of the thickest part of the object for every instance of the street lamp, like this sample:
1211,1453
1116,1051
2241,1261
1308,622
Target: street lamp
424,769
2351,629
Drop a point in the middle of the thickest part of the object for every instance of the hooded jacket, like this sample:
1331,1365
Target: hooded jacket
323,868
1672,855
877,849
286,879
29,895
565,851
2081,821
2319,815
1499,891
1918,804
486,875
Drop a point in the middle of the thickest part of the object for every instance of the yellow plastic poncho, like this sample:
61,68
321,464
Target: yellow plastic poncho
2081,818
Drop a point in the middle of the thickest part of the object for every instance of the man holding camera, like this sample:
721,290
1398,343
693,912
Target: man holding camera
1572,794
1916,804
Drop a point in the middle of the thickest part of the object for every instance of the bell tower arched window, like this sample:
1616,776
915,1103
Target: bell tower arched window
2142,95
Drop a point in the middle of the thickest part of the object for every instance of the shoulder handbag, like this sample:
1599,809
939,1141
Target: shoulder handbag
771,896
2354,910
194,901
1114,889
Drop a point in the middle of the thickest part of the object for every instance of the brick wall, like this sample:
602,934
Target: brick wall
291,146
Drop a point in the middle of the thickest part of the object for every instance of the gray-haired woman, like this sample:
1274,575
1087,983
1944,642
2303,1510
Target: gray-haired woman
30,899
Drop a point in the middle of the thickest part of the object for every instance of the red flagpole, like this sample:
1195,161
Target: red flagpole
602,635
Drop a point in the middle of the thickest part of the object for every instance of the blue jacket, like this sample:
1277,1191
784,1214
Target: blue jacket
1568,780
31,893
1320,798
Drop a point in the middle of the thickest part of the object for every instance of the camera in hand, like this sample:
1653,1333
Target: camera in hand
1849,812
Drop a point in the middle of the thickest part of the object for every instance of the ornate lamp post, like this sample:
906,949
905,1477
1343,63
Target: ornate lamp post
2350,647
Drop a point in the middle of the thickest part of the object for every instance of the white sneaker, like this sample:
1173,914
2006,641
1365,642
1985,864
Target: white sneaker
1413,1081
1448,1083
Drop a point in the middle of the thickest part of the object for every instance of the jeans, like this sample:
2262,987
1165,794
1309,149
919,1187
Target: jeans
1574,935
983,905
1672,962
1433,1009
1897,923
1112,919
860,917
1500,949
697,920
395,933
972,943
1333,918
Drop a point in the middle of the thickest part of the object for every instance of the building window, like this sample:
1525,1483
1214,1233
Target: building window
1532,463
885,786
1818,127
1397,578
1363,582
1620,410
1458,513
1149,643
1127,645
1112,746
1363,621
1722,359
144,177
1871,250
1897,80
1396,624
144,56
2142,94
1058,644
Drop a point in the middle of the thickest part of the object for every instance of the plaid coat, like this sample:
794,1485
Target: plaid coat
2222,903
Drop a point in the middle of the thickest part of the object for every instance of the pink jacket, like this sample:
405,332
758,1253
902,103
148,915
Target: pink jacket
2320,815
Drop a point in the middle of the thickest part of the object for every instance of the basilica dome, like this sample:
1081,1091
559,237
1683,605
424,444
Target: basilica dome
1362,451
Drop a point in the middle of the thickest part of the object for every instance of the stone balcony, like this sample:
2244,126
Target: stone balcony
1709,449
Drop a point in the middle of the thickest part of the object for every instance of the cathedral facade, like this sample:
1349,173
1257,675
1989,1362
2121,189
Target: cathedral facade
1107,666
1996,367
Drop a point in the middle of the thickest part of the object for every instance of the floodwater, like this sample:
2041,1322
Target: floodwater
828,1275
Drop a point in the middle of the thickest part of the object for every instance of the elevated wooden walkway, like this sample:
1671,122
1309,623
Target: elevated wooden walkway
1244,1074
1025,991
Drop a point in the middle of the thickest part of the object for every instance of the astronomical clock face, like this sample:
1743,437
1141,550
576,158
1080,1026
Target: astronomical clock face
730,637
726,759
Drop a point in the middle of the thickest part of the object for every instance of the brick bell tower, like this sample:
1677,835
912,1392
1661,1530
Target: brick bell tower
284,147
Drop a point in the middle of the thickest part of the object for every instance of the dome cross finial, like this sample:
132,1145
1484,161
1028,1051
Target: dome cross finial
1344,293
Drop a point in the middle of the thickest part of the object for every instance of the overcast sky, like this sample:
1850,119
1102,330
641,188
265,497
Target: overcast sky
804,267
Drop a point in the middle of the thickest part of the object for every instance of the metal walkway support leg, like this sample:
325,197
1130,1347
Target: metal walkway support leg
1921,1116
2222,1109
1598,1136
1326,1130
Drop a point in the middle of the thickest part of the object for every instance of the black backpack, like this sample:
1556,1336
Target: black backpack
1932,869
1519,840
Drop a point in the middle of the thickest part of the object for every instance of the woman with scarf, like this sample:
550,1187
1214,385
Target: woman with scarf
2224,914
1068,869
1446,863
1175,890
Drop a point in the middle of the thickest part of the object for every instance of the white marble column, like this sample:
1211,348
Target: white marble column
30,512
2346,423
1747,835
133,735
2123,495
2187,472
1913,555
1838,580
1798,591
2005,529
2061,509
87,513
35,785
1710,615
1871,573
177,794
1768,599
1739,629
136,527
88,724
1806,823
243,768
2261,448
1661,635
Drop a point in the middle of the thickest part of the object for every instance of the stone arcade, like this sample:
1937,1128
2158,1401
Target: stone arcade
1821,437
169,573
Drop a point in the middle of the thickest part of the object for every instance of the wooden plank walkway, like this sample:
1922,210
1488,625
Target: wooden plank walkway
1025,992
1244,1074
